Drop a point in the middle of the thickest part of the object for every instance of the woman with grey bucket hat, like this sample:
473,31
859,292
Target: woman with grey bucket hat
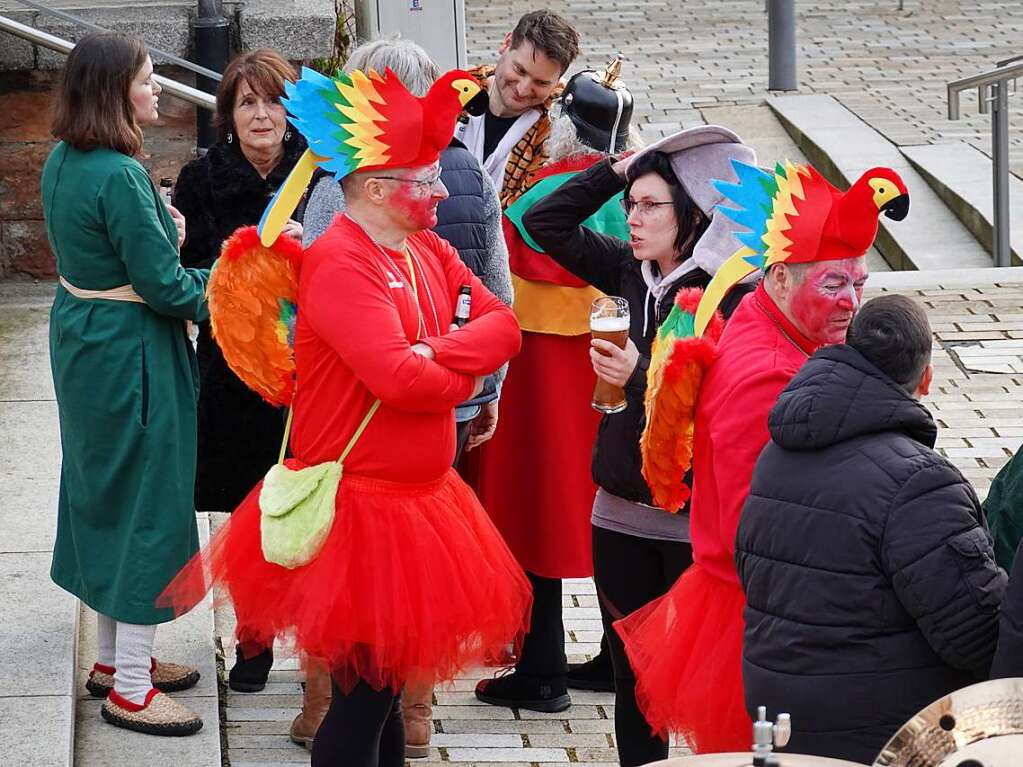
676,240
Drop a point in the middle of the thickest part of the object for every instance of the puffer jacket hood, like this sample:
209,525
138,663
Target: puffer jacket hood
837,396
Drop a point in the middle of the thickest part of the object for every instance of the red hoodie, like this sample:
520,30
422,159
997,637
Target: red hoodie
357,321
759,353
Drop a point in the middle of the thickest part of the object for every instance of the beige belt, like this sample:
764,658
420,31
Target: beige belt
120,293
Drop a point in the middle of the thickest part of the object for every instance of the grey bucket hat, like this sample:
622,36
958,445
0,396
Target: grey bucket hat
700,156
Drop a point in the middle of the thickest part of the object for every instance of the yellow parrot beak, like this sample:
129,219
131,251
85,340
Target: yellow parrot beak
472,98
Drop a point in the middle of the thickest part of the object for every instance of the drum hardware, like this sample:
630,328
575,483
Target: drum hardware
768,736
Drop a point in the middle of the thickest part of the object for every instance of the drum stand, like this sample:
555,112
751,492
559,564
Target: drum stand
768,736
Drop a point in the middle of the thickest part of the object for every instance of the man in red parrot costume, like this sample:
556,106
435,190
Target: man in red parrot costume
365,546
534,475
810,241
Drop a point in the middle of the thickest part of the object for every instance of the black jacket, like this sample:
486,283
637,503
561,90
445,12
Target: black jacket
461,218
462,221
1008,660
609,265
239,433
870,579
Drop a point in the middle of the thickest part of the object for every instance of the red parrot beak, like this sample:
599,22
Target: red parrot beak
897,208
478,104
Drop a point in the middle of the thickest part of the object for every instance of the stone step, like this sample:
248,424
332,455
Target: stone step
761,129
300,29
39,626
187,640
961,175
841,146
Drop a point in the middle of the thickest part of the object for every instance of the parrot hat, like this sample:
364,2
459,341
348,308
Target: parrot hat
357,121
794,215
698,156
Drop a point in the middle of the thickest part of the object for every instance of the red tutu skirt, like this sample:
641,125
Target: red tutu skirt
412,584
686,651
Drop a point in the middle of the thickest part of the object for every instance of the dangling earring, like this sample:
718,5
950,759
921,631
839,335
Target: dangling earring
230,137
287,135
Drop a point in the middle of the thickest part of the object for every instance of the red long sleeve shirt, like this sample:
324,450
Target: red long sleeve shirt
759,353
357,321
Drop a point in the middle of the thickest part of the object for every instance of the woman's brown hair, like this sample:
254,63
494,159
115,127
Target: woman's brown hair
94,108
264,69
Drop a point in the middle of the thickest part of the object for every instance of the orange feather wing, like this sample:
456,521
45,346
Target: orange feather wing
252,295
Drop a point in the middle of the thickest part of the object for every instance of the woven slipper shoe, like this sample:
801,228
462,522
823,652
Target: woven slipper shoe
100,681
159,715
173,677
167,677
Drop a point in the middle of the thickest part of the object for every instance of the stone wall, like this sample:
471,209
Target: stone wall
25,107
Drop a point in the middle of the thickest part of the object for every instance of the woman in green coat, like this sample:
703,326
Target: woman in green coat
125,377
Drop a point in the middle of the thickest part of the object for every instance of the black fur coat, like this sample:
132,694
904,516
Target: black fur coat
239,433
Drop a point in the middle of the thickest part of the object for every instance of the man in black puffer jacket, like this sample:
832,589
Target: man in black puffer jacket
870,579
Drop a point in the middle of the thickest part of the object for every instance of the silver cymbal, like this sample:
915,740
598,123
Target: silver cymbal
745,760
948,732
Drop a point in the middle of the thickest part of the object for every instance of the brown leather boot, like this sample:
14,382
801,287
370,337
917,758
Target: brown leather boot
315,702
417,708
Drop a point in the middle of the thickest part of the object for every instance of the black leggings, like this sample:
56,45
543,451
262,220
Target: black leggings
630,571
364,728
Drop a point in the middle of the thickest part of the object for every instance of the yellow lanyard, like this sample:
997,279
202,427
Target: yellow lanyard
415,290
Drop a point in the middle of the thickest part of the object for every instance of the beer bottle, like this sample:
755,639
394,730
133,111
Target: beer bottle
166,185
464,305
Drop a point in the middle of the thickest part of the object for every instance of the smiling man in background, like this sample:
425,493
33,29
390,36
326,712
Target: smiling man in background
509,138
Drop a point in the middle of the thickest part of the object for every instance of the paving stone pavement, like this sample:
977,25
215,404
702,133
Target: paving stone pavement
889,67
977,400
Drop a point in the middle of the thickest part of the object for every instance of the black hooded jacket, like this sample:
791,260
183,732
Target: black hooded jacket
870,578
609,265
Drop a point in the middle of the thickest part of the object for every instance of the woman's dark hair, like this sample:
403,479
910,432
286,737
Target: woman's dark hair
94,108
264,69
893,334
691,221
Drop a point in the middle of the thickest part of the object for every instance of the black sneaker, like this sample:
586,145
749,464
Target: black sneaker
250,674
515,690
596,674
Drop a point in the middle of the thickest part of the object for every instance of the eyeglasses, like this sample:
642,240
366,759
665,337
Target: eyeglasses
429,183
643,207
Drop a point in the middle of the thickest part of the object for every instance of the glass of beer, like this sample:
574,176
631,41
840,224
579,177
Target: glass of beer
609,320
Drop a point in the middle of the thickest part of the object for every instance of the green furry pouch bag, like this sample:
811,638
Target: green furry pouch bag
297,505
297,512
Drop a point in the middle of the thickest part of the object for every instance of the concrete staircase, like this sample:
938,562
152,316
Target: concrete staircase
960,175
300,29
47,638
842,147
40,622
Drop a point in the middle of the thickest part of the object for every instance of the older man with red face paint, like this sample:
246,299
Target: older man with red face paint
686,646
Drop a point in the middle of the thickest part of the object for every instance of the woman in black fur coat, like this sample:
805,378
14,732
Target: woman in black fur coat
239,434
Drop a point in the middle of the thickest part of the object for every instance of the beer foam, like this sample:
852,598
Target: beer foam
609,324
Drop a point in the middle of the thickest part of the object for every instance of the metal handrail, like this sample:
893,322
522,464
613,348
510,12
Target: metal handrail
54,43
981,82
170,58
993,95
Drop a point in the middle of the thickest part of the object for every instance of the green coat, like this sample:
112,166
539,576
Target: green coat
126,383
1004,510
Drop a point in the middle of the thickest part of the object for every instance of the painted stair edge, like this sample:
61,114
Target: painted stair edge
978,221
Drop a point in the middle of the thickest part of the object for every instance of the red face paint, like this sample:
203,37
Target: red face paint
416,201
823,305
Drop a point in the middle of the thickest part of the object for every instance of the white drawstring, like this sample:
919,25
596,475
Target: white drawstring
646,310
